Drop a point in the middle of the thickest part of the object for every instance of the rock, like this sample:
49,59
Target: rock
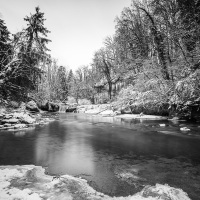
29,182
8,116
184,129
53,107
163,192
17,126
10,121
7,125
107,113
44,105
32,106
117,112
48,106
73,109
2,115
28,120
1,126
126,110
162,125
24,118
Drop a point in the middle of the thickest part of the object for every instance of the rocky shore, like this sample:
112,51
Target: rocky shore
26,116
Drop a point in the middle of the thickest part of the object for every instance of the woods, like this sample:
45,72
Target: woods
150,64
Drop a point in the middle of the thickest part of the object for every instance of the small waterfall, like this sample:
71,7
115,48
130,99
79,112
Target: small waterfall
63,108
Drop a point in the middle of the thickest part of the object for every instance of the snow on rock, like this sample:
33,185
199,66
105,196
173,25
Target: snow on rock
107,113
164,192
31,183
24,117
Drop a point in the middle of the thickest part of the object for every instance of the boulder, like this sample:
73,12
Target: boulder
72,109
126,110
10,121
107,113
24,118
48,106
117,112
8,116
164,192
32,106
7,125
44,105
53,107
28,120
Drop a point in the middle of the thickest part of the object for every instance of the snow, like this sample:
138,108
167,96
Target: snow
41,186
145,117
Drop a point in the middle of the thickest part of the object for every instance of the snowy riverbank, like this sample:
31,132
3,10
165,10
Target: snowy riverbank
107,110
29,182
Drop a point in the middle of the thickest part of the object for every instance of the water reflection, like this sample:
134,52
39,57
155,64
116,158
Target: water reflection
19,133
65,151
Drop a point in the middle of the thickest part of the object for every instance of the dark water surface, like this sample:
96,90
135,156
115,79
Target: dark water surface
116,156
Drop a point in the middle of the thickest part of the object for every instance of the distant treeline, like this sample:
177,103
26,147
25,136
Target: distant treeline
151,61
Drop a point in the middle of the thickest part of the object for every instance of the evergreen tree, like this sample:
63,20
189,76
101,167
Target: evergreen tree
70,79
62,78
33,49
5,48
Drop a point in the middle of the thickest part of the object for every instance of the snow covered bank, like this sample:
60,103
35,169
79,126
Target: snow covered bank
144,117
29,182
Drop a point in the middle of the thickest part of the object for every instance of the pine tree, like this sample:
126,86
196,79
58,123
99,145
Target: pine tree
4,44
33,49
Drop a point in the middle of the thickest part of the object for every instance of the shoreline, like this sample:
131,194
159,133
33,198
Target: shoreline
30,182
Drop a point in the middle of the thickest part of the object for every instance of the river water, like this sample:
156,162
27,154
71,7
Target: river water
117,156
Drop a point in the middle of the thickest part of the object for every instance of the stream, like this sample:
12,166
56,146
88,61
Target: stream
116,156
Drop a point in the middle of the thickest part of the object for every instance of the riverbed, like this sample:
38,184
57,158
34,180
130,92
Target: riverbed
116,156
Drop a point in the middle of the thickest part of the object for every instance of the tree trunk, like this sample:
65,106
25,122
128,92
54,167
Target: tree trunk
110,90
159,44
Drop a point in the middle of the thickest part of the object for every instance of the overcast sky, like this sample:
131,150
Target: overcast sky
78,27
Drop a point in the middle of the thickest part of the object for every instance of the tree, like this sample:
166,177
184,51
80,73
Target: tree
5,47
70,79
33,48
104,66
62,79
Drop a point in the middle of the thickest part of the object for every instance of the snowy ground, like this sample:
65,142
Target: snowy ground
29,182
136,116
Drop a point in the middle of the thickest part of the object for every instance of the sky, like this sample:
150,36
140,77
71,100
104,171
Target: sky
78,27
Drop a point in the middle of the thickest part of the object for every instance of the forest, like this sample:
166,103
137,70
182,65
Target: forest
151,63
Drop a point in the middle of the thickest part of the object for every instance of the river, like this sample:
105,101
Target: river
117,156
